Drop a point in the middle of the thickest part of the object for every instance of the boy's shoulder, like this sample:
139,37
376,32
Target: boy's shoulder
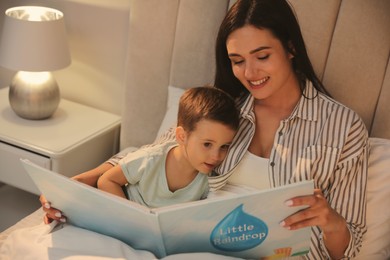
157,150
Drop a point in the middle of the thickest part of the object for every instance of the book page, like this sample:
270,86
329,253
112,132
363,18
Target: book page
99,211
231,190
245,225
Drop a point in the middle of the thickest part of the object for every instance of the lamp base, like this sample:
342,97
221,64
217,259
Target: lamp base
34,95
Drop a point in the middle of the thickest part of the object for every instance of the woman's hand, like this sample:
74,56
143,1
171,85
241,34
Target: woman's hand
51,213
89,177
319,213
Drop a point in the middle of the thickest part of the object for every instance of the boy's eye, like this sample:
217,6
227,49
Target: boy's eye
225,147
207,145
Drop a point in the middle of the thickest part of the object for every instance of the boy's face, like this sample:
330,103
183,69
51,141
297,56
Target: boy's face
206,146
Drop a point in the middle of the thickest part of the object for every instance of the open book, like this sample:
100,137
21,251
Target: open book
242,225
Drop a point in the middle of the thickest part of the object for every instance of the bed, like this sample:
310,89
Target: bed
170,48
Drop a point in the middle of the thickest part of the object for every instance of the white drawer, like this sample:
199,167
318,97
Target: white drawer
12,171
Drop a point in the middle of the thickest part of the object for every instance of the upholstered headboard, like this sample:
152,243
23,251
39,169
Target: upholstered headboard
171,42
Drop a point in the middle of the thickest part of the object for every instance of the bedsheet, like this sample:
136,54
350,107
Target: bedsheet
32,239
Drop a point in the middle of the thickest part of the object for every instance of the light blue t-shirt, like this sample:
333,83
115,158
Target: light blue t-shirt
145,172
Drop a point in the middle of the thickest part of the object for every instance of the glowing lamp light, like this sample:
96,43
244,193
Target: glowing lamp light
34,43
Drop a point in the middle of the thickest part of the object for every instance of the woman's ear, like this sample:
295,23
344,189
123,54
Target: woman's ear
291,50
181,135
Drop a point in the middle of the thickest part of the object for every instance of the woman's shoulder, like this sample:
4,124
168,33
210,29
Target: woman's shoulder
340,115
327,103
329,112
318,106
323,103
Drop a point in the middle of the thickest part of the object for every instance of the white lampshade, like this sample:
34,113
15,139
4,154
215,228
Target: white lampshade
34,43
34,39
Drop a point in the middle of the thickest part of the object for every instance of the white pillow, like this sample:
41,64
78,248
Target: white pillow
170,117
376,243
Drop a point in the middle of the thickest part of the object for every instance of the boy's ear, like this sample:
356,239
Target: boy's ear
181,135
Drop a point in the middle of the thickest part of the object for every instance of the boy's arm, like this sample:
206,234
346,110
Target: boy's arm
112,181
91,177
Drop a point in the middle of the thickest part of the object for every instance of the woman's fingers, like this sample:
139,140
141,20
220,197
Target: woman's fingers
47,220
309,200
51,213
317,213
45,204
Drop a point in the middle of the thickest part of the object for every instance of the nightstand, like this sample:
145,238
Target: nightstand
75,139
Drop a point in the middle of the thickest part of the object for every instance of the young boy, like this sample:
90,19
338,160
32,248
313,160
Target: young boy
175,172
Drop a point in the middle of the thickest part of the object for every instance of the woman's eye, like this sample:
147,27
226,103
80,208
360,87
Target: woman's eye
236,62
264,57
207,145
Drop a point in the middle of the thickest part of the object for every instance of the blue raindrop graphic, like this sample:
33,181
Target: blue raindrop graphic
238,231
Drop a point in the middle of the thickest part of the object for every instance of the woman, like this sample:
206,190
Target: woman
290,129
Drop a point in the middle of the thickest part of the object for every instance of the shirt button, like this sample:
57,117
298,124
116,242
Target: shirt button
280,133
272,164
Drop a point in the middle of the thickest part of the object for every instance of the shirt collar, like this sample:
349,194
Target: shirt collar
247,108
307,107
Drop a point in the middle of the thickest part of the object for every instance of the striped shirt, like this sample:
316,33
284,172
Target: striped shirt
321,140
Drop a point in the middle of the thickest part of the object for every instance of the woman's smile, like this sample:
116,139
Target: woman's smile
259,83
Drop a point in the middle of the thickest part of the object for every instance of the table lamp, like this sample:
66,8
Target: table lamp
34,43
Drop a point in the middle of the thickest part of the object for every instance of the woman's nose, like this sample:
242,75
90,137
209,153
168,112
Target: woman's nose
250,70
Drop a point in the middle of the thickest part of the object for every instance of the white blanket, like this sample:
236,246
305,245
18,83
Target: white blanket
65,242
68,242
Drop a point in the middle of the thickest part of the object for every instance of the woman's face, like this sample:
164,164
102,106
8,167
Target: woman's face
260,62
